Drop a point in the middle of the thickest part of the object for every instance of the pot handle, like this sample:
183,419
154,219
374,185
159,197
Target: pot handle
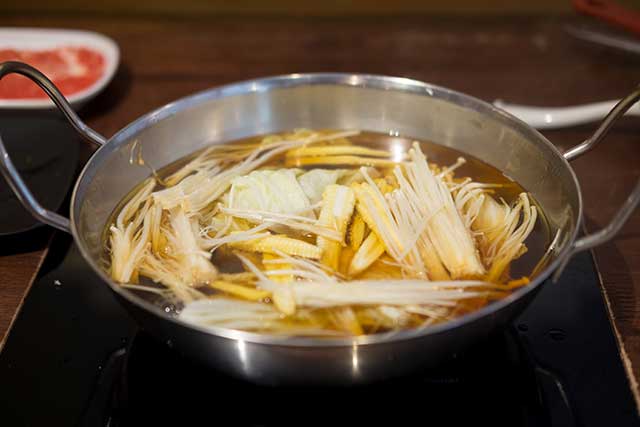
8,169
610,230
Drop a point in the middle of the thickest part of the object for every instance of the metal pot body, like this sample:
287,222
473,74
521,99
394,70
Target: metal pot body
337,101
283,363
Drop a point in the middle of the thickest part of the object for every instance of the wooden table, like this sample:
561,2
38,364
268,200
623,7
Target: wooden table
526,60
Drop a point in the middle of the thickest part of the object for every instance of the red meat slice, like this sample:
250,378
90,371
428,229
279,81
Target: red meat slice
72,69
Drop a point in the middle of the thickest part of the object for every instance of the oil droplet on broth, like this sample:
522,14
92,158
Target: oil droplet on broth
169,308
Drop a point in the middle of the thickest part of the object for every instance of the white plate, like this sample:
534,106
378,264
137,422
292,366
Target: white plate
40,39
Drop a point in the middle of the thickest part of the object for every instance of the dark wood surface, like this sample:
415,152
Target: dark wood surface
519,59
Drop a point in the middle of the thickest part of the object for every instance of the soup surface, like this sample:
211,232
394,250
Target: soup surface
324,232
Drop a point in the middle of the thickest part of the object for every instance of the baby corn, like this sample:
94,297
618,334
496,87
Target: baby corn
338,160
368,252
346,255
274,262
279,243
333,150
241,291
357,231
376,215
338,202
345,318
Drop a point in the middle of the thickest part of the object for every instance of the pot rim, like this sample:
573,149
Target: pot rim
368,81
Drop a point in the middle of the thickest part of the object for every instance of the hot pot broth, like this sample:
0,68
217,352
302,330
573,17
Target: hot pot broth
325,233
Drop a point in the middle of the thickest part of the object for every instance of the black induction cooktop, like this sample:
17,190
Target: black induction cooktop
75,358
45,150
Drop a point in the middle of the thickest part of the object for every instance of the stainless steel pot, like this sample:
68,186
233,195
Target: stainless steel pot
338,101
